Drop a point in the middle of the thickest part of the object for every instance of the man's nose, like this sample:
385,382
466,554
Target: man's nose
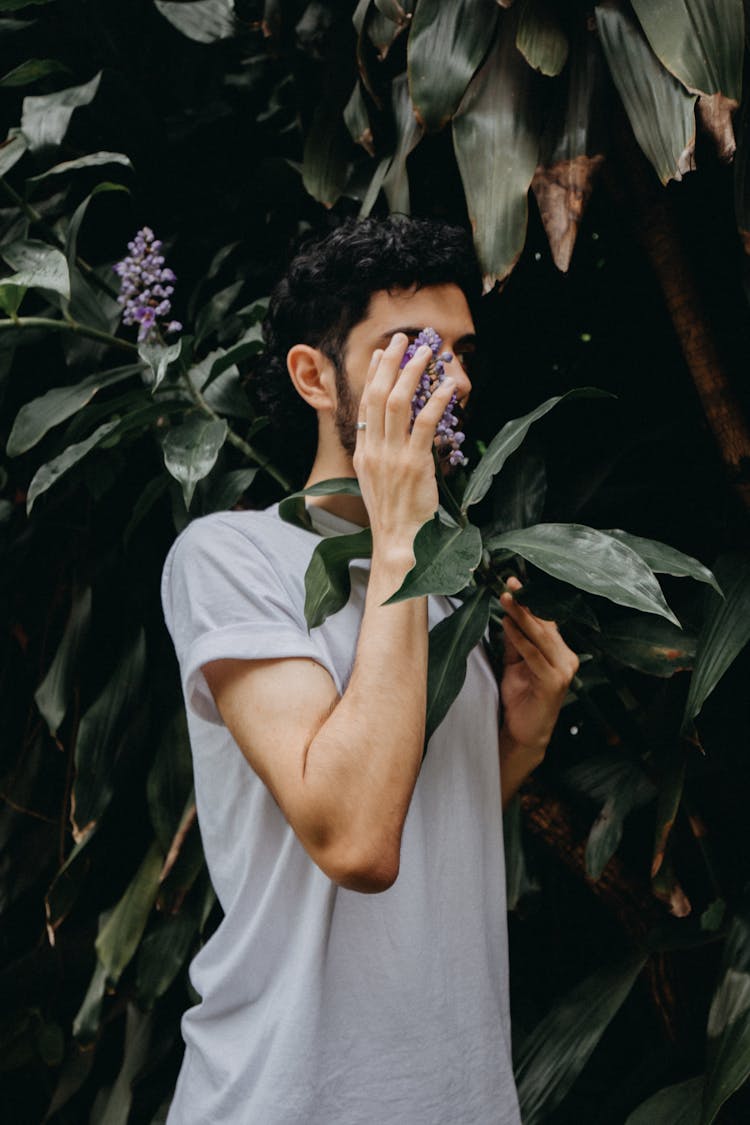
457,371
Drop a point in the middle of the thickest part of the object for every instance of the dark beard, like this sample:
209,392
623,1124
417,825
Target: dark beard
346,413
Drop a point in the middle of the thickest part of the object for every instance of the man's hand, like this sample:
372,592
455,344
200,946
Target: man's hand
538,668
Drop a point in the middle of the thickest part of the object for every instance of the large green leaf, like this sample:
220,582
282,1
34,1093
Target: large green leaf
100,735
450,643
118,938
94,159
728,1061
520,499
50,473
325,163
39,416
162,953
53,693
38,266
447,42
664,559
725,632
556,1051
222,392
45,118
508,440
114,1108
445,557
327,582
674,1105
541,38
292,508
496,141
205,21
190,451
698,41
660,110
590,560
408,134
648,644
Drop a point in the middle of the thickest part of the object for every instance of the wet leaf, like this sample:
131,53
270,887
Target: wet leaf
37,265
327,582
50,473
589,560
496,141
447,43
445,556
725,632
664,559
53,693
205,21
660,110
450,643
674,1105
541,38
190,451
728,1061
648,644
118,938
556,1051
45,118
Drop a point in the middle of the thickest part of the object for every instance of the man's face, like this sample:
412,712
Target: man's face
442,307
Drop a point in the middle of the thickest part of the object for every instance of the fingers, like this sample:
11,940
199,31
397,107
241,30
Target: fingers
423,433
384,376
527,633
398,408
362,412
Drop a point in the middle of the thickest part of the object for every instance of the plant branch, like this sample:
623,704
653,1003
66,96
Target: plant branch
67,326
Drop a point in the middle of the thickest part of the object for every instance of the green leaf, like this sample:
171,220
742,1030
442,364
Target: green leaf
496,141
518,882
86,1022
445,556
357,119
450,644
53,693
31,71
674,1105
648,644
94,159
325,164
151,494
169,784
327,582
590,560
700,42
190,451
100,735
45,118
447,42
725,632
38,266
213,313
183,865
114,1108
15,5
520,500
556,1051
508,440
229,489
660,110
50,473
292,508
118,938
157,358
728,1061
540,37
204,21
668,804
162,953
11,150
664,559
619,785
39,416
408,135
230,358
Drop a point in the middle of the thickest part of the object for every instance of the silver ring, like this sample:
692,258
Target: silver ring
361,425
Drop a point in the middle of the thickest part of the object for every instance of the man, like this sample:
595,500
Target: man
359,976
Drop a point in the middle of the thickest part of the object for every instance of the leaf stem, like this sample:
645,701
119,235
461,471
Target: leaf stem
67,326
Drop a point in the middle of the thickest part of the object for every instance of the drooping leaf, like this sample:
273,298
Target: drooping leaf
590,560
114,1109
53,694
357,120
520,500
31,71
94,159
205,21
450,643
157,358
38,266
190,451
728,1053
445,556
496,141
508,440
118,938
408,134
620,785
325,163
230,358
170,780
556,601
447,43
327,582
45,118
11,150
725,632
162,953
100,735
229,489
660,110
668,804
184,863
38,417
674,1105
541,38
556,1051
664,559
699,41
648,644
50,473
224,392
86,1022
292,508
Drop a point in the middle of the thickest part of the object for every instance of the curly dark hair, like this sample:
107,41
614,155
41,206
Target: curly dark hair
327,290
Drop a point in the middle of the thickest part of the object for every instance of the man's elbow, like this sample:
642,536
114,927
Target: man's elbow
369,870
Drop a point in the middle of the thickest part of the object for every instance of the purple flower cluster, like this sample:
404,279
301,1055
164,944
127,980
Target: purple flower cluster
448,439
146,286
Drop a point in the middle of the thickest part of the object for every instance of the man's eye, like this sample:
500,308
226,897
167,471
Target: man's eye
467,359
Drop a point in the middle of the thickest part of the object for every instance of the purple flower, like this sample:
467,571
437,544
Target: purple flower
145,286
448,439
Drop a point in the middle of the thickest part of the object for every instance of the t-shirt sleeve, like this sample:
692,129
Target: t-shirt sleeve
224,596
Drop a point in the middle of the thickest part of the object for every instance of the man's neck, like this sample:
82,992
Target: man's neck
333,465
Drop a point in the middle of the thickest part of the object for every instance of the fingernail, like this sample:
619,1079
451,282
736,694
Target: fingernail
397,338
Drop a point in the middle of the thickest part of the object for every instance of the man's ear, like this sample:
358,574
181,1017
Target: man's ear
313,376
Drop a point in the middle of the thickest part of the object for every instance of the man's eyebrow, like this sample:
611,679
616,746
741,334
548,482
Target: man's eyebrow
468,339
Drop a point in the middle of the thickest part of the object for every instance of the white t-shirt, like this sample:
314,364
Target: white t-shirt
323,1006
